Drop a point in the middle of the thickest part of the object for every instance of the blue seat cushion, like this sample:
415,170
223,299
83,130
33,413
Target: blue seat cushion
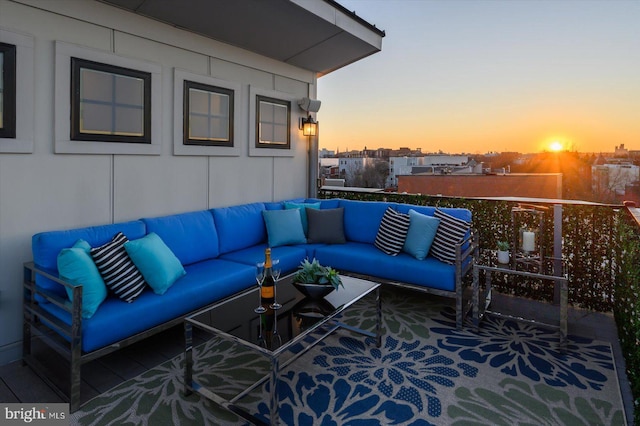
240,227
205,282
46,246
290,256
192,236
367,259
362,219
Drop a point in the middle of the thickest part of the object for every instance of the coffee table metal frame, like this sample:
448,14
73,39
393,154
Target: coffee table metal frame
479,311
273,355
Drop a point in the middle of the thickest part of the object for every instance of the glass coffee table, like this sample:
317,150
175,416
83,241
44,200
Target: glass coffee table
301,321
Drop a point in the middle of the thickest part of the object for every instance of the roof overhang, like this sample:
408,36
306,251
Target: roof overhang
320,36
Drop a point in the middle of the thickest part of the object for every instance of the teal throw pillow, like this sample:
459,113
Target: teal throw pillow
155,261
422,231
284,227
76,266
303,211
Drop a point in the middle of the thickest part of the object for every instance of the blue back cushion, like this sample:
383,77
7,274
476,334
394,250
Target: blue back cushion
362,219
192,237
331,203
459,213
47,245
240,227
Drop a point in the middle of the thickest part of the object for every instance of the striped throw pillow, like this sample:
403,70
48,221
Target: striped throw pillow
451,231
118,271
392,232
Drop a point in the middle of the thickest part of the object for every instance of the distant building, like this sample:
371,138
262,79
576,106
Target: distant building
610,180
621,151
349,167
401,166
528,185
325,153
436,163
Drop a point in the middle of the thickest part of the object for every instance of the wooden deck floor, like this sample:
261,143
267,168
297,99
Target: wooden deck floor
18,383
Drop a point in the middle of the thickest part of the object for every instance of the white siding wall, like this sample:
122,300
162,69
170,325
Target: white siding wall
40,190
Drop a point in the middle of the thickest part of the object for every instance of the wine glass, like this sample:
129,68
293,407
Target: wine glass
260,279
275,274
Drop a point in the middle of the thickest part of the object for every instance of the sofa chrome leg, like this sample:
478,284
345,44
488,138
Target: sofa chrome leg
76,379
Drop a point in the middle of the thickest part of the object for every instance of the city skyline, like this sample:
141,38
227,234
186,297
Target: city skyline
488,76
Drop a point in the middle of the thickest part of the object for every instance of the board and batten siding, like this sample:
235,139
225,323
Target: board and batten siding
43,190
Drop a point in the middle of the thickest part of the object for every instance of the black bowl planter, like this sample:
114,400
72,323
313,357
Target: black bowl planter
314,290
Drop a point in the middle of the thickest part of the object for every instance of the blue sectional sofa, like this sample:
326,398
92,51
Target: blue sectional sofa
218,249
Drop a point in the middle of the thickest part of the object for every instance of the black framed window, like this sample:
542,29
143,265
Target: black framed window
208,115
109,103
7,91
273,119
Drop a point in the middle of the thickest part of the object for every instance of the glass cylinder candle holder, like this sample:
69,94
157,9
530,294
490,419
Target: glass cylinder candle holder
528,239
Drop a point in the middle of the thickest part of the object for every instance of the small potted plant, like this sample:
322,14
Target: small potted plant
315,280
503,252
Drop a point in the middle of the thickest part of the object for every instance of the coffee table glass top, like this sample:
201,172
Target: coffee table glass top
275,330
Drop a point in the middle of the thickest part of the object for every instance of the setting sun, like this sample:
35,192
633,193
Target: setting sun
556,146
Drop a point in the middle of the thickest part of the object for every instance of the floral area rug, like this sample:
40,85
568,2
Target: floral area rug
425,373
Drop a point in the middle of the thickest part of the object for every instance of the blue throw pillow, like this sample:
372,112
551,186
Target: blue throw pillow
76,266
155,261
284,227
422,231
303,211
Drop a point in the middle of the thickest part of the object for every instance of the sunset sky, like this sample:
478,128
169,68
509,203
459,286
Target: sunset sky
479,76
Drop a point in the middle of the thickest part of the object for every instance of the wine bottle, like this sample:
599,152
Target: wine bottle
267,285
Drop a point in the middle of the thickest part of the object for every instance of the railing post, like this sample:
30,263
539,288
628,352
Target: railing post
557,250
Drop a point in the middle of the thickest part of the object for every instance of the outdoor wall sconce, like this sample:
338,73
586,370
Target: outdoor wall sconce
308,126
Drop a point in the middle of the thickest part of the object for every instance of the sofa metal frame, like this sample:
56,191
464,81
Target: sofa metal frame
463,264
66,339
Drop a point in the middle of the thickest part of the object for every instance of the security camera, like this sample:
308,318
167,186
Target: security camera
309,105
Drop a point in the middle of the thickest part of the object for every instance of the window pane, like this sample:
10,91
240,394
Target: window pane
266,132
280,134
266,111
198,127
198,101
219,104
96,118
280,114
129,121
129,90
219,128
96,86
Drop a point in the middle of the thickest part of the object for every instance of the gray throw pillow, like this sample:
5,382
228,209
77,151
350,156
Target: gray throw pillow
326,226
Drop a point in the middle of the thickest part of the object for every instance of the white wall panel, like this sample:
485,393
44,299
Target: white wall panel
155,186
244,180
230,71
